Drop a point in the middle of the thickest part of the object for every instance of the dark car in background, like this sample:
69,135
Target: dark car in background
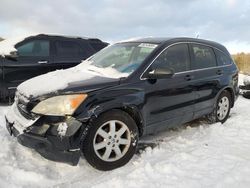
40,54
245,88
128,90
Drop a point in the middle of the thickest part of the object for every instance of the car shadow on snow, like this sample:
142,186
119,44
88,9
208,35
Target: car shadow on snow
156,139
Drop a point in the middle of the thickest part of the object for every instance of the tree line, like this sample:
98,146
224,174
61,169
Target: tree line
243,62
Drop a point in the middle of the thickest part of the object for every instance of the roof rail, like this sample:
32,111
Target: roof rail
94,40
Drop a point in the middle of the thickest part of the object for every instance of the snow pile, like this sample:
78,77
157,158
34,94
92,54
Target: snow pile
246,80
60,79
8,45
198,155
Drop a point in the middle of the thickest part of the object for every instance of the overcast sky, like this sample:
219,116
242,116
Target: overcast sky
224,21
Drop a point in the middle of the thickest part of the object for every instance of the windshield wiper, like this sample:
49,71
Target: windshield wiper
94,70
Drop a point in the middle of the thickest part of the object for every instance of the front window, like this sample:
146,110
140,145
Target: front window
34,48
124,58
175,57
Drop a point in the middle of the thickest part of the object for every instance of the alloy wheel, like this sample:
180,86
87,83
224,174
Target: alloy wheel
223,108
112,140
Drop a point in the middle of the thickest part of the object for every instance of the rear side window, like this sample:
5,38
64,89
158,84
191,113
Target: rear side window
203,57
67,48
175,57
34,48
222,58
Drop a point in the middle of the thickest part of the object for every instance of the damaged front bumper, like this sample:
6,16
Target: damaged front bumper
55,138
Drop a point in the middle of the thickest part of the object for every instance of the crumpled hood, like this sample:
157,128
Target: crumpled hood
80,78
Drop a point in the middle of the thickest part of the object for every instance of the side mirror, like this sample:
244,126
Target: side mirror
13,55
160,73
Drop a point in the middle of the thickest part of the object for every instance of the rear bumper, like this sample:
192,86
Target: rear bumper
44,137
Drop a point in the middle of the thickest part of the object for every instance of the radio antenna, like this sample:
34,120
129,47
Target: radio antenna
197,35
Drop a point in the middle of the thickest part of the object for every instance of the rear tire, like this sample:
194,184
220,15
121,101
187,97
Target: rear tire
222,109
111,140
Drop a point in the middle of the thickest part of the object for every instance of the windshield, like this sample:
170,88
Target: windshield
124,58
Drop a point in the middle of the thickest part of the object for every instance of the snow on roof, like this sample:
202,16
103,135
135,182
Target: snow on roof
130,39
8,45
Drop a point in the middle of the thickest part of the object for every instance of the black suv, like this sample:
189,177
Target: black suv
40,54
123,92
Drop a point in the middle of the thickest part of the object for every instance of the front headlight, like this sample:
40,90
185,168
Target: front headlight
60,105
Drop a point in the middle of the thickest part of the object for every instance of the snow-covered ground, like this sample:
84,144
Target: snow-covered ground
197,155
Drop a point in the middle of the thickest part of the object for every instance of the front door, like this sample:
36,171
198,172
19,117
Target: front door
33,60
170,101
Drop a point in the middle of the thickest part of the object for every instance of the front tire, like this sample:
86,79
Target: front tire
111,140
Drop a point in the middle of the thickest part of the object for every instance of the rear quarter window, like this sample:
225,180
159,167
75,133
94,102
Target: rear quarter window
202,57
222,58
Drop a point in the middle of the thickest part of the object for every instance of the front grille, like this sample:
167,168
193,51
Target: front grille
23,110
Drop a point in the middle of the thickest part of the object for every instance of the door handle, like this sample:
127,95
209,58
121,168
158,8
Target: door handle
188,77
219,72
42,62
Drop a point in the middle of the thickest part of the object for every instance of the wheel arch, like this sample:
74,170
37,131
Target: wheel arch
230,91
136,116
131,110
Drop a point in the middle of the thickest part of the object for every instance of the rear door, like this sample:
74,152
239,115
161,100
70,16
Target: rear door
33,60
206,77
169,102
68,53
